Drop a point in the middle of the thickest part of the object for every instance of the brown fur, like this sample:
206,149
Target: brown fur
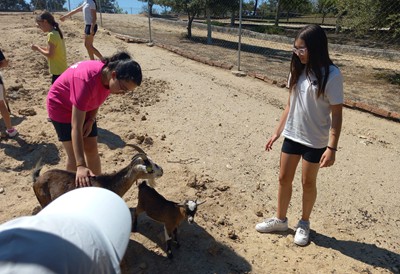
55,182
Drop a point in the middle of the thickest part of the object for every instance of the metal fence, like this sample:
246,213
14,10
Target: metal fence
370,64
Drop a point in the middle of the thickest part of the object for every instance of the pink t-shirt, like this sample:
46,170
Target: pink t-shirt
80,86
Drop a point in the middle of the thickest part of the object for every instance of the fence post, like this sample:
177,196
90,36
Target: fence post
240,33
150,43
101,18
239,72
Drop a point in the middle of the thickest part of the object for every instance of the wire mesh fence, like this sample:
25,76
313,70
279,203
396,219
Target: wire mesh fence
364,39
369,63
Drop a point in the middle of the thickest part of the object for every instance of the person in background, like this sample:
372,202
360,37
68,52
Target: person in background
72,105
5,113
88,8
311,124
55,51
85,231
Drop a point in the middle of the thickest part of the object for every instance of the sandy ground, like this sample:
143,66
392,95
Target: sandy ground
207,128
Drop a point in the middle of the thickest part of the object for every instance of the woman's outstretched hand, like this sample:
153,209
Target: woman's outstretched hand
83,175
271,141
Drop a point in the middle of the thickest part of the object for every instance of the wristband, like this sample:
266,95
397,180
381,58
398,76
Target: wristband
332,148
81,164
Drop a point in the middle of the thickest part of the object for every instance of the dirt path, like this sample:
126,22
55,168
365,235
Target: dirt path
207,128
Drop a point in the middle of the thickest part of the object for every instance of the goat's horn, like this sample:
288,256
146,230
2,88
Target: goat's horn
199,203
137,148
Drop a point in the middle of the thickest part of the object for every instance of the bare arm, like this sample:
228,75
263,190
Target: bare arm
82,172
46,51
72,12
328,158
89,121
279,128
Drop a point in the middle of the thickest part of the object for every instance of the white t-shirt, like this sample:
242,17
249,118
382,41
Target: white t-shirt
87,13
309,119
55,245
84,231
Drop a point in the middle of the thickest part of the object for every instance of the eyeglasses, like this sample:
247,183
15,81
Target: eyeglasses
300,51
122,88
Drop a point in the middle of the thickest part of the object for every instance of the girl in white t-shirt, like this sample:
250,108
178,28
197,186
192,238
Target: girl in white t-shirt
88,8
311,124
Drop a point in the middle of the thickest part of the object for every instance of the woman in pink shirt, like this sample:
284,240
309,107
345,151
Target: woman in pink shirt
73,102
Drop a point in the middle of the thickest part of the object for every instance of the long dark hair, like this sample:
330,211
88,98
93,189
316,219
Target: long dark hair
318,57
50,19
95,3
126,68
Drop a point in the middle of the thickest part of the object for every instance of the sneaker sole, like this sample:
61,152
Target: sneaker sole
271,231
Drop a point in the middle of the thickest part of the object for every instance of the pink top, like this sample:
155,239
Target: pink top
80,86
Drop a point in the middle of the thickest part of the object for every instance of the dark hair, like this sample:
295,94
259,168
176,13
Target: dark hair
126,68
95,3
318,57
50,19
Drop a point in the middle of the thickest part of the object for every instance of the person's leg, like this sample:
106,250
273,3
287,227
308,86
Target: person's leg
90,48
5,114
69,150
309,183
92,154
288,165
89,45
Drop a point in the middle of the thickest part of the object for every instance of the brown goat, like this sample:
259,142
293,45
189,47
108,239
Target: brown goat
169,213
53,183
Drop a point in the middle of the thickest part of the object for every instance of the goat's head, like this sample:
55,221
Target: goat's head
191,209
144,166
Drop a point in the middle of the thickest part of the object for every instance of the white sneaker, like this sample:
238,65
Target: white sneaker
302,235
272,225
11,132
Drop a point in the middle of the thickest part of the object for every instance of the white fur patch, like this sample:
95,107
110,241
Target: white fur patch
167,237
192,205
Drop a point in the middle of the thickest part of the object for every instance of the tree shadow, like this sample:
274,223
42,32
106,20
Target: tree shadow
366,253
271,53
110,139
29,154
198,253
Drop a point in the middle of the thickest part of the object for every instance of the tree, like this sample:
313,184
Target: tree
53,5
326,6
151,3
110,6
14,5
191,7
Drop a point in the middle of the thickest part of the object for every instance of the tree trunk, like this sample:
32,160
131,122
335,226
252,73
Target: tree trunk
232,19
189,26
255,7
278,7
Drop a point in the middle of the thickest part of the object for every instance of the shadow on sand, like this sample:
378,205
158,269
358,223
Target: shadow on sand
198,253
366,253
110,139
29,154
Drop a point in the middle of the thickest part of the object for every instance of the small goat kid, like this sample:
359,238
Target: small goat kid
169,213
53,183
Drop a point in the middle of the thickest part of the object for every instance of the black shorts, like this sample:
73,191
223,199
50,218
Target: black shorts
309,154
87,29
54,78
64,131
